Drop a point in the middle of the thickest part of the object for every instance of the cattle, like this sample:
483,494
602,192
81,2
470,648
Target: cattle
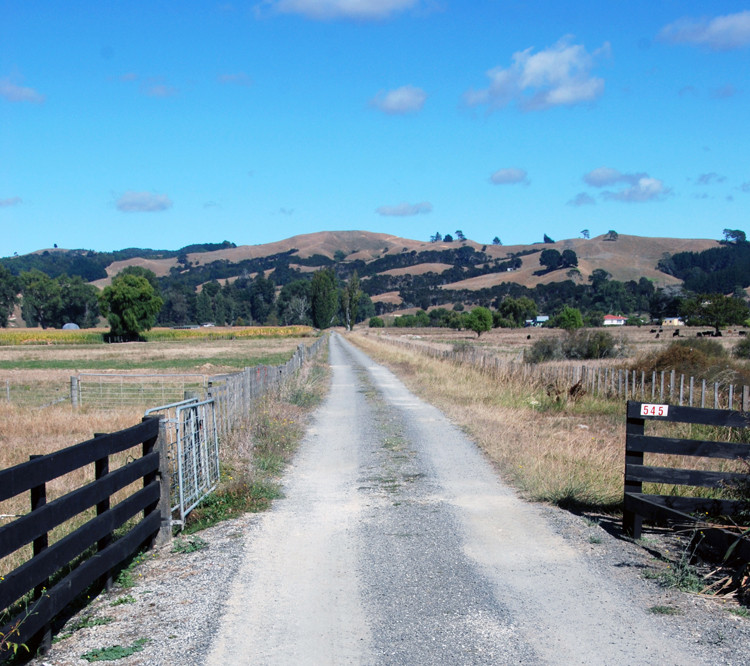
741,332
676,334
528,337
657,336
653,330
699,334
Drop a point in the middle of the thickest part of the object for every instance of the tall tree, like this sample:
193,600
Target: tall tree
714,310
262,297
734,236
130,304
10,285
350,297
79,302
460,235
585,233
479,320
569,259
496,241
551,259
324,298
42,301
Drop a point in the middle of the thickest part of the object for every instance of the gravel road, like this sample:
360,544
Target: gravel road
397,543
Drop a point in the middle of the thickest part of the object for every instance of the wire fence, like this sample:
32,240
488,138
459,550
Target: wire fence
119,390
26,393
234,394
598,379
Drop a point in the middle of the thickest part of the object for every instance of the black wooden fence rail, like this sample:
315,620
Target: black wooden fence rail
682,509
37,578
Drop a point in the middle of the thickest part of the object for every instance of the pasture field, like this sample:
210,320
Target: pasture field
510,343
39,374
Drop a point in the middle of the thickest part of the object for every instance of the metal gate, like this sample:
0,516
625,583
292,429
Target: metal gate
193,452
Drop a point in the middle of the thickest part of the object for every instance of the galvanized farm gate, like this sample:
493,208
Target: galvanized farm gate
192,446
106,389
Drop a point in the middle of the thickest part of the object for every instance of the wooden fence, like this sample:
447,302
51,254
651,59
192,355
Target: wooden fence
39,590
598,379
682,509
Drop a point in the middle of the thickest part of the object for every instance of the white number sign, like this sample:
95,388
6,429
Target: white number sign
654,410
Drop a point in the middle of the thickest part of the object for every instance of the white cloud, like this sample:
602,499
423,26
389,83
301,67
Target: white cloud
582,199
723,33
557,76
406,99
641,186
405,209
143,202
15,93
645,189
605,177
238,79
336,9
12,201
510,176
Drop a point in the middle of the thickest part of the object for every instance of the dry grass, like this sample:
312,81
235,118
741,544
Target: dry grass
25,432
562,452
552,448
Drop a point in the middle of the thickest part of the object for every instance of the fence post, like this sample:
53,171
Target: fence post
745,398
159,443
38,500
632,522
74,392
101,469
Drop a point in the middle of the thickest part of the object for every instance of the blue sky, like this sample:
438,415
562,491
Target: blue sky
159,124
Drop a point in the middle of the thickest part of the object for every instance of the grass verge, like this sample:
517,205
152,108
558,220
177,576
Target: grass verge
256,452
552,448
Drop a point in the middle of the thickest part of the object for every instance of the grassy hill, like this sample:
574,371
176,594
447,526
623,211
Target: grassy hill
627,258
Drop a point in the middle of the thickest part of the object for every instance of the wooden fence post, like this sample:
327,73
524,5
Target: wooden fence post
74,392
101,469
159,443
632,522
40,544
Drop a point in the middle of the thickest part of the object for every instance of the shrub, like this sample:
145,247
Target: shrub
742,348
544,349
575,345
591,344
699,358
376,322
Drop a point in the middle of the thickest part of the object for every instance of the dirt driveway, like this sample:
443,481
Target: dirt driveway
399,545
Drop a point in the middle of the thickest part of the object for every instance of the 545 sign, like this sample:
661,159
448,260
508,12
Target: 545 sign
654,410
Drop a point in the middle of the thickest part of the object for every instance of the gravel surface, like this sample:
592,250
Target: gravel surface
398,544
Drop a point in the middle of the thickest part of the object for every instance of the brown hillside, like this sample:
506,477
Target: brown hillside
627,258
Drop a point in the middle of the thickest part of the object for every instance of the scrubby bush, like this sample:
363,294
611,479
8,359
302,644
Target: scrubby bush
544,349
575,345
591,344
376,322
699,358
742,349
